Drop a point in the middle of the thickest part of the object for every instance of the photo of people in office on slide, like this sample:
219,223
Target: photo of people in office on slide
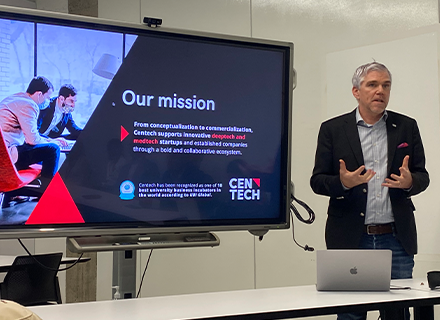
116,146
46,104
370,162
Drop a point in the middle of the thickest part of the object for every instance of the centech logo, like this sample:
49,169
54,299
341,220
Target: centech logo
245,189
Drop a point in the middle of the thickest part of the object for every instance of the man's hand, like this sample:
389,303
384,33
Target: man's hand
352,179
404,181
61,142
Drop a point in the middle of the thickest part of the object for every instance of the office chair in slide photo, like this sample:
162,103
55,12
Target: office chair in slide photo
28,283
10,178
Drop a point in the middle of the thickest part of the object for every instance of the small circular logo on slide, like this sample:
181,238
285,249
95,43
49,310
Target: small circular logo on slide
127,190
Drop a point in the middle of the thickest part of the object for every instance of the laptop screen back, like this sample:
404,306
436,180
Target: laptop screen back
353,270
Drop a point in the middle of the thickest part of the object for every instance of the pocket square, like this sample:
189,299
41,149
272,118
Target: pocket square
402,145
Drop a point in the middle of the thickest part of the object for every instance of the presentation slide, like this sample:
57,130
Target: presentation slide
173,129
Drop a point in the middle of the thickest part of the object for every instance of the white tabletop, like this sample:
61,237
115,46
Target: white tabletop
414,284
230,303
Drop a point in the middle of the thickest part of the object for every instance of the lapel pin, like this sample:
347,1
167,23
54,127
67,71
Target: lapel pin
394,125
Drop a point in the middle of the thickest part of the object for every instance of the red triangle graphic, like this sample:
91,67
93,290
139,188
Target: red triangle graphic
56,205
257,181
124,133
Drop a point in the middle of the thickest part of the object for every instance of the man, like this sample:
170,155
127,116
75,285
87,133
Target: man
58,115
18,121
370,162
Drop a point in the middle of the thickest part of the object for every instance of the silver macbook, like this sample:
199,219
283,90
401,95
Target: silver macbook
353,270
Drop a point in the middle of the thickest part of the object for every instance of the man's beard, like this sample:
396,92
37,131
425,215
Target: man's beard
66,108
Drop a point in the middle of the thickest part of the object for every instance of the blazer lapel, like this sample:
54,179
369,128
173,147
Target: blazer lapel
48,116
392,135
353,137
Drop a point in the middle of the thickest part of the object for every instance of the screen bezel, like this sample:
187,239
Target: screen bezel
282,222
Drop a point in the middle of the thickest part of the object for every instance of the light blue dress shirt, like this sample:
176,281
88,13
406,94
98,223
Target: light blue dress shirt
375,151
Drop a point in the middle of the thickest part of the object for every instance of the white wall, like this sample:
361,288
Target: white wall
19,3
331,38
321,32
50,5
127,10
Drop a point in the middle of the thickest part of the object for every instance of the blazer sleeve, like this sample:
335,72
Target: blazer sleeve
325,178
72,127
417,164
40,120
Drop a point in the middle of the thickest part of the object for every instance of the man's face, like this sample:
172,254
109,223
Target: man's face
67,104
373,94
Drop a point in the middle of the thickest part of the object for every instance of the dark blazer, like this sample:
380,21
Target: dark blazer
339,139
45,118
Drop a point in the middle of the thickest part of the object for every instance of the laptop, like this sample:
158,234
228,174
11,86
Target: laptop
353,270
69,146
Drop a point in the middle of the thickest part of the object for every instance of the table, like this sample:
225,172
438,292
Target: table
272,303
6,261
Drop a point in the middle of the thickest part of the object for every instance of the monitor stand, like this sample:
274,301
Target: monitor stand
141,241
124,274
124,252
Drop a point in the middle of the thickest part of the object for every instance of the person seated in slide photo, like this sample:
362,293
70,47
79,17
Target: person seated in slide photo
58,115
18,120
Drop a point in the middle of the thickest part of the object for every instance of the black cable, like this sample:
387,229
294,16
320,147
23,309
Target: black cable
310,220
143,275
306,247
305,206
46,267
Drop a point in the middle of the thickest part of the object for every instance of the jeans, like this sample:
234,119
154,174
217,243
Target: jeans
402,264
47,154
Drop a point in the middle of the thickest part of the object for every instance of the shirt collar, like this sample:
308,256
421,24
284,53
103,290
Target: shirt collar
58,108
361,121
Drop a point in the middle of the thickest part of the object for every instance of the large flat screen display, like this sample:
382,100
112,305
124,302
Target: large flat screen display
170,131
